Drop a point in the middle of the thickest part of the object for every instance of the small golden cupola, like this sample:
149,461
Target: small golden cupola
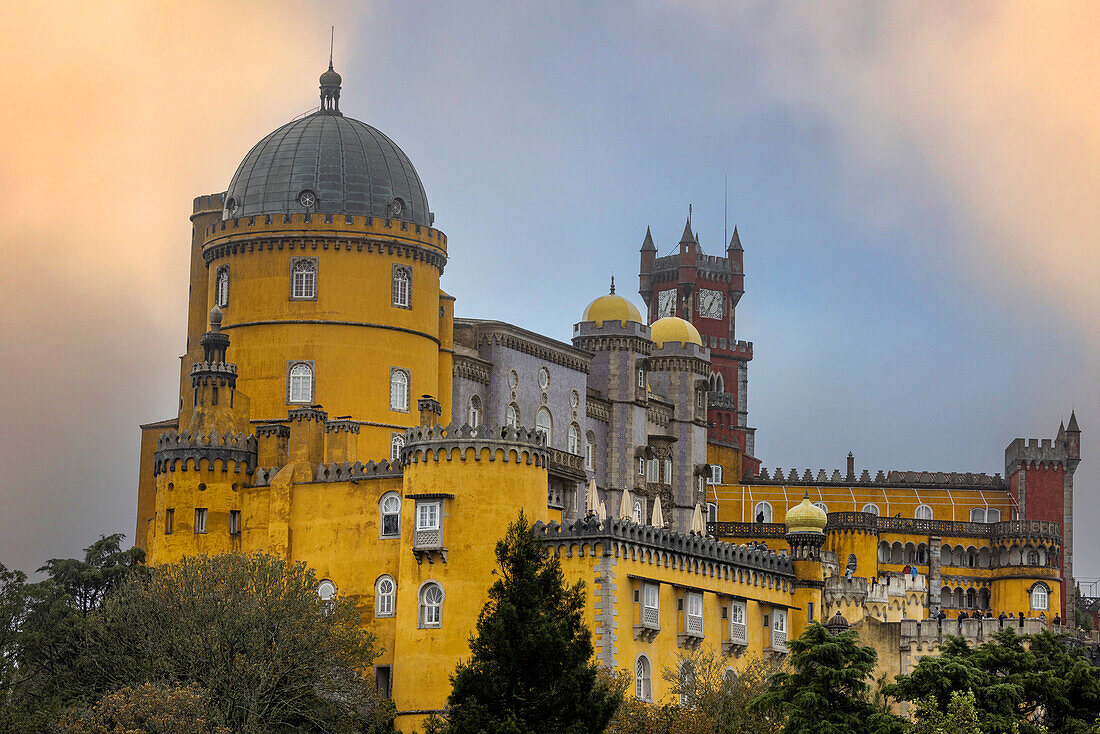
611,308
674,329
806,517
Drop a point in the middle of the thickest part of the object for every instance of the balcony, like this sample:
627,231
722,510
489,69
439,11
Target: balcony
779,642
721,400
566,465
428,545
650,619
692,635
746,529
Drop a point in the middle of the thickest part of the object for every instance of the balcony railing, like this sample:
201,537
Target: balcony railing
739,633
694,626
427,539
779,640
651,617
565,463
902,525
746,529
721,400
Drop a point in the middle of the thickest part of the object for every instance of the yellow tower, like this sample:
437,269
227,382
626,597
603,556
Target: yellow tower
805,535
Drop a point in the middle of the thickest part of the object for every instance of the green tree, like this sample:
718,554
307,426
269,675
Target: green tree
531,667
151,708
961,716
251,630
827,690
702,681
1018,683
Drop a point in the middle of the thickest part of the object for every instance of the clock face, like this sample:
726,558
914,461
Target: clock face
710,304
666,303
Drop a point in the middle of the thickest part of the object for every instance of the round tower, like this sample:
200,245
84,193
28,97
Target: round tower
327,269
462,488
805,535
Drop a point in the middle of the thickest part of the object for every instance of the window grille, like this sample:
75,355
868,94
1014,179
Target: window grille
739,629
643,679
694,622
383,597
400,287
651,607
301,383
779,630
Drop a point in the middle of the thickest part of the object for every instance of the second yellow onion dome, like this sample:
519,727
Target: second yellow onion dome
611,308
806,517
674,329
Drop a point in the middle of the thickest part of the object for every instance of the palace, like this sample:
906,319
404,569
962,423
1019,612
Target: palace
335,411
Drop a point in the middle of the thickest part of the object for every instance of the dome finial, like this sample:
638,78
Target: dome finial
612,285
330,83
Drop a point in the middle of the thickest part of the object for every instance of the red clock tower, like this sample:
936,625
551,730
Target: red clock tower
705,289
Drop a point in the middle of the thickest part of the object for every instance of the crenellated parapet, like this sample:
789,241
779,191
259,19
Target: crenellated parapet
307,414
182,451
920,479
929,634
344,424
438,443
650,544
1035,453
342,472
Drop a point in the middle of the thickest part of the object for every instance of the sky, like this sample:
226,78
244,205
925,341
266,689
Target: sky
914,184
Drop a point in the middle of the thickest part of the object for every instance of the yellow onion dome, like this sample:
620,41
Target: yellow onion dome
674,329
806,517
611,308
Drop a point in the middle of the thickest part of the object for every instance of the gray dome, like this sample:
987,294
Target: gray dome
349,168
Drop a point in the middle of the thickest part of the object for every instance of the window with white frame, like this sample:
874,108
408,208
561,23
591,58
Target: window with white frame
871,508
739,628
651,606
666,471
687,683
200,519
545,424
715,474
427,516
977,514
924,512
1040,597
399,390
822,506
326,590
643,679
303,278
641,377
590,452
779,629
429,525
573,444
544,378
637,511
762,512
389,511
693,621
473,412
384,592
431,605
641,466
400,290
511,416
397,442
712,512
992,514
300,383
221,287
653,470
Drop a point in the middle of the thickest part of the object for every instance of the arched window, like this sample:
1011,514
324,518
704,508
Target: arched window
389,511
221,287
822,506
431,605
712,512
729,678
544,423
871,508
719,383
977,514
643,679
400,287
473,412
638,511
511,416
399,390
992,515
574,444
303,278
762,512
1040,597
1032,558
300,383
971,595
924,512
326,590
384,592
590,451
687,683
397,442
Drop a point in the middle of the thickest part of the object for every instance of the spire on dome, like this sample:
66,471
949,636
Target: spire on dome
330,83
647,243
612,285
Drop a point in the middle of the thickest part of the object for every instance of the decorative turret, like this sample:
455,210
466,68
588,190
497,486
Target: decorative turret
330,88
1073,438
805,535
214,382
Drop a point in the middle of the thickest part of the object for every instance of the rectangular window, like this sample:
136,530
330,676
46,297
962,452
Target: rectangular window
169,521
234,522
651,606
382,680
588,451
693,624
779,630
641,467
654,471
809,611
739,630
427,516
200,519
715,474
303,278
667,474
641,377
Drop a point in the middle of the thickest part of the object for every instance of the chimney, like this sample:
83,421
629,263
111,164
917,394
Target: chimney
851,467
430,410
